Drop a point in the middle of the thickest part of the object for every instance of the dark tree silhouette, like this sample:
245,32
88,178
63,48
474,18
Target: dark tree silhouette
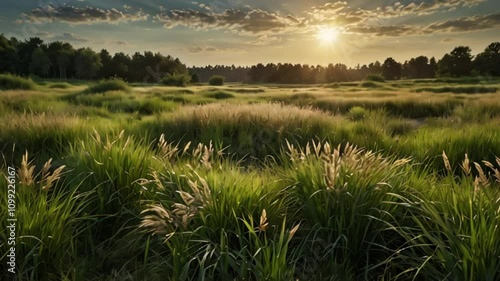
488,62
457,63
87,63
391,69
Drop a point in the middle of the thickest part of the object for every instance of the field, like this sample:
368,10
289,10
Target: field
348,181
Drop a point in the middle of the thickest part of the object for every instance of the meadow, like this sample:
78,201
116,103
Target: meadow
368,180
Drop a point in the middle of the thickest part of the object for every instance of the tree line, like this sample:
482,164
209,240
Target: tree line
61,60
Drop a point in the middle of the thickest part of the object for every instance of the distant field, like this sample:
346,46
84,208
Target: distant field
346,181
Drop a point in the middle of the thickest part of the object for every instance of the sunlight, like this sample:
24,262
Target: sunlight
327,35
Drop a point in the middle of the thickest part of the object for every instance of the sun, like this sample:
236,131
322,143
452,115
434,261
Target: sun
327,35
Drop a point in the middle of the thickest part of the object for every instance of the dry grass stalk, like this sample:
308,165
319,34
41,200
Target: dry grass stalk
26,172
466,165
263,224
446,162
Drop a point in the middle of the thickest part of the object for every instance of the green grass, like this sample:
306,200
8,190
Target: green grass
460,90
12,82
108,85
375,78
239,182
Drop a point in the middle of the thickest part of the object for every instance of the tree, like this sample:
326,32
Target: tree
87,63
488,62
60,55
106,70
25,50
40,63
391,69
8,56
195,78
457,63
417,68
120,64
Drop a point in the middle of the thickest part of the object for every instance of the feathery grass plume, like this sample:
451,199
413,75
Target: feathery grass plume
292,152
293,231
446,162
496,171
207,154
26,171
167,150
48,179
332,168
482,178
263,224
466,165
317,148
159,221
180,214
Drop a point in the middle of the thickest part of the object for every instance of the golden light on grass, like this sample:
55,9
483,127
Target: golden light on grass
327,35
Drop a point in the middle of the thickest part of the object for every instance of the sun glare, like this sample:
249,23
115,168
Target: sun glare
327,35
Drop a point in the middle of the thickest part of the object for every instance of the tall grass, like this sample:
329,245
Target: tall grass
103,86
249,190
49,222
12,82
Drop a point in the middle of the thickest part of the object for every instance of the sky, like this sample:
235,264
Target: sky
247,32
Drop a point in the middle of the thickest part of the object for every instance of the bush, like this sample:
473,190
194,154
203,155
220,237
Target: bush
113,84
219,95
370,84
460,90
375,77
177,80
195,78
12,82
357,113
216,80
63,85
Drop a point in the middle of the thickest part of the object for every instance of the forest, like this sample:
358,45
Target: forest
60,60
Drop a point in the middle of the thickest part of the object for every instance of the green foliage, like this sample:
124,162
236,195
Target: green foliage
370,84
12,82
62,85
216,80
177,80
114,84
218,95
375,78
248,190
357,113
460,90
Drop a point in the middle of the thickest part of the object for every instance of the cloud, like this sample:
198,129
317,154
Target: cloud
465,24
44,34
120,43
383,30
213,50
258,22
68,36
460,25
341,10
85,15
249,21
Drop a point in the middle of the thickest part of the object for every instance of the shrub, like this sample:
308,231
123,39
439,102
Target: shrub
460,90
216,80
114,84
219,95
12,82
375,77
195,78
370,84
178,80
63,85
357,113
